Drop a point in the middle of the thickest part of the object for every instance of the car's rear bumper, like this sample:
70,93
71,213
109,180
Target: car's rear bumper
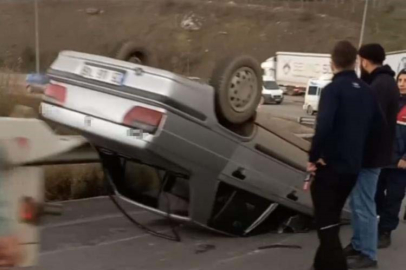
93,125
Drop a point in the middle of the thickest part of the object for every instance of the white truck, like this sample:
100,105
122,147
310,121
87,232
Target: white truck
292,71
396,60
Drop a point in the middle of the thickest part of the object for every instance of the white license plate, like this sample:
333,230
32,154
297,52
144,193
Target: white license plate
102,75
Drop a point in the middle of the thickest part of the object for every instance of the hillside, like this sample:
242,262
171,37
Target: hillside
256,27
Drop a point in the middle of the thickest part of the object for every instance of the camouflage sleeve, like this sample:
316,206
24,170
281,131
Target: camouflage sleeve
4,215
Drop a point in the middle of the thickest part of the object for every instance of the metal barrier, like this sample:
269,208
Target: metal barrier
83,154
26,145
311,121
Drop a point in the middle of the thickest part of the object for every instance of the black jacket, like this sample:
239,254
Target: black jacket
347,113
379,149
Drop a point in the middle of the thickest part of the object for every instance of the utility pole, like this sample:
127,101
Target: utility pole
361,38
37,64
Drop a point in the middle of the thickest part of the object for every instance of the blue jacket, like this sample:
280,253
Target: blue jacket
348,112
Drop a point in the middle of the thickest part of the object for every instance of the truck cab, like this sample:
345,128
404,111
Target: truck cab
313,92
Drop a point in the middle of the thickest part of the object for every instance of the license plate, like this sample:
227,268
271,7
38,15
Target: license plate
102,75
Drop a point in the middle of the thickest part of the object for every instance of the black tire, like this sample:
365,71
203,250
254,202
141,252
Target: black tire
135,53
278,102
238,89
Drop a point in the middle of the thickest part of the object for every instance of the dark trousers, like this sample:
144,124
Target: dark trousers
330,191
389,197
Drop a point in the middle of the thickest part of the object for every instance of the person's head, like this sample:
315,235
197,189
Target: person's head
371,57
343,57
401,79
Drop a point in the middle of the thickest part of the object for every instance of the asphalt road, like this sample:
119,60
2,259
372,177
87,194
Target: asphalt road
93,235
291,108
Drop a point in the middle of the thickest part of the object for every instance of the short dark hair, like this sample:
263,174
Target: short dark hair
373,52
344,55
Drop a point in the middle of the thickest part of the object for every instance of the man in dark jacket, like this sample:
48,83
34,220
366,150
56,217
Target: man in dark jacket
347,114
362,251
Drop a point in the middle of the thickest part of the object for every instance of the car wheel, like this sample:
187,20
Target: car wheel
278,102
310,110
134,53
238,89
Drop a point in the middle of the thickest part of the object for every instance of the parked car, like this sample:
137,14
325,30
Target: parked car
36,83
230,166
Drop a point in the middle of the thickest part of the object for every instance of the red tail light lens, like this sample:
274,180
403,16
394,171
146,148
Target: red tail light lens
143,118
56,92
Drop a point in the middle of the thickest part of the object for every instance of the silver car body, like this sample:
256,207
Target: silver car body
268,164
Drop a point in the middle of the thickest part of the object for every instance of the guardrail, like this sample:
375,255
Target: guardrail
307,120
82,154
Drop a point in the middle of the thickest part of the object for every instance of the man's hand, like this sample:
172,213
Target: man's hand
321,162
312,167
10,251
402,164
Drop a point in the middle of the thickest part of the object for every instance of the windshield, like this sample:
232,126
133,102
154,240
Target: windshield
271,85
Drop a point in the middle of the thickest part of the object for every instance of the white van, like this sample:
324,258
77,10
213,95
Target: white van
271,91
313,91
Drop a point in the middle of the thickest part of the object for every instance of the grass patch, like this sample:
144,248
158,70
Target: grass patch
77,181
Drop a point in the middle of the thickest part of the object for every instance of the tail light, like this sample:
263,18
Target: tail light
56,92
143,118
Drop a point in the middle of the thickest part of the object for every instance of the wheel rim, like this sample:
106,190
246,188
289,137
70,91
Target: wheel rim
242,89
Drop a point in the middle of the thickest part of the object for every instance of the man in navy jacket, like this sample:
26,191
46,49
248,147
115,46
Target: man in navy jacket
348,112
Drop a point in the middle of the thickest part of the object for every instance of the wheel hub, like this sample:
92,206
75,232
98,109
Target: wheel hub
242,89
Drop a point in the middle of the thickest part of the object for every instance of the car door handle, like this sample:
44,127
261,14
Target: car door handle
239,173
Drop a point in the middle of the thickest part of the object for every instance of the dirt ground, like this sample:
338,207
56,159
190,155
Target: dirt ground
255,27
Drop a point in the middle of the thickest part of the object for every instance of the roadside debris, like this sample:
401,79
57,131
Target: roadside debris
94,11
192,22
280,246
296,224
203,248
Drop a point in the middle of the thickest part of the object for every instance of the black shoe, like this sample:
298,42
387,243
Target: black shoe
361,262
349,251
384,240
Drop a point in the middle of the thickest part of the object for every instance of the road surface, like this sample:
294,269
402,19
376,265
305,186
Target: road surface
291,108
93,235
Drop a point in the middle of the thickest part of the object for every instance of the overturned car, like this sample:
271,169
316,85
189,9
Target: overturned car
219,163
